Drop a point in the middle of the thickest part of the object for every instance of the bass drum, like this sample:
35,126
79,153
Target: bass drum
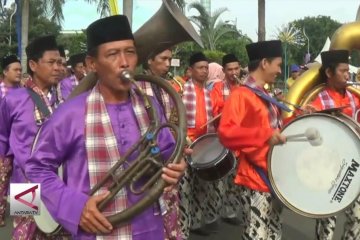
320,180
210,160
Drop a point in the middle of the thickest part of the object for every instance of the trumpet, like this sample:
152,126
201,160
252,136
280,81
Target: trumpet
349,83
238,80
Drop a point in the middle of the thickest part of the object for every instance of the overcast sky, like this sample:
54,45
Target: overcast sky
78,14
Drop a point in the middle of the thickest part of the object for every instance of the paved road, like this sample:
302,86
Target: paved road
296,227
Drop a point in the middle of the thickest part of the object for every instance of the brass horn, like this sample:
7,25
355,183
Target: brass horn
168,27
308,85
147,159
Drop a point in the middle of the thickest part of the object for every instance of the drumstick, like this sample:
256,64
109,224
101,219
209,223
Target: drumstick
211,120
289,103
312,135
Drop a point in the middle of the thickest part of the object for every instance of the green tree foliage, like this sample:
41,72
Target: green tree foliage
74,42
212,29
39,25
317,29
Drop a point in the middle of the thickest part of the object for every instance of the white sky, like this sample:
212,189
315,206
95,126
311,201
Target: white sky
78,14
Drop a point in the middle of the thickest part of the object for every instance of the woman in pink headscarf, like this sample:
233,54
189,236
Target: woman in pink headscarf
216,74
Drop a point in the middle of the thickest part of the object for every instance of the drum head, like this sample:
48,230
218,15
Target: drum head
207,151
317,181
45,222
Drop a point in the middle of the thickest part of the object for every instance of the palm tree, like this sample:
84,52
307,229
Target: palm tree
261,20
54,10
181,4
211,28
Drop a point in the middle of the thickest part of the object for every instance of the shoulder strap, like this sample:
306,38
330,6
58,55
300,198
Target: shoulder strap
269,99
39,102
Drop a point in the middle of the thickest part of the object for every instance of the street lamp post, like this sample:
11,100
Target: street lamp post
307,55
15,8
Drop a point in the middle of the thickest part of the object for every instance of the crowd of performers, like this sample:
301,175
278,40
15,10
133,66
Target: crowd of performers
75,136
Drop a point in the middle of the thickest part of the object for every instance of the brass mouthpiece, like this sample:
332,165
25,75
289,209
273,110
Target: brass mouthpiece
126,76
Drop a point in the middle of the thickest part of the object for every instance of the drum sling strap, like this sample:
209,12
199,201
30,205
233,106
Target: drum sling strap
268,99
39,102
264,178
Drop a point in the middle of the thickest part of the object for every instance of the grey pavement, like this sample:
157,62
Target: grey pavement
295,227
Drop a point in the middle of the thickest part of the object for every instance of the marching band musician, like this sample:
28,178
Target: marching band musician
78,68
158,65
21,115
11,75
75,137
249,125
200,198
63,70
335,73
220,92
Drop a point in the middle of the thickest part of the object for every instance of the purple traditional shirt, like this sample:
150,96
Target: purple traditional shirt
17,131
67,85
62,142
4,90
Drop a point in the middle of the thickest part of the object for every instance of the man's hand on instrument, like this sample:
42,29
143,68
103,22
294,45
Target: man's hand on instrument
276,138
308,108
174,171
92,220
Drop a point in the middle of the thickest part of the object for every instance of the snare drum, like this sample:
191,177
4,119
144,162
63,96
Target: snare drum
210,160
318,181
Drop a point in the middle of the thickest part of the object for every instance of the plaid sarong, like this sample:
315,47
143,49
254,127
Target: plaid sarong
274,112
38,115
189,99
327,102
160,94
102,151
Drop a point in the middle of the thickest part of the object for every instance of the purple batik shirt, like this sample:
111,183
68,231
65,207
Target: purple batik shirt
17,130
62,141
4,90
67,85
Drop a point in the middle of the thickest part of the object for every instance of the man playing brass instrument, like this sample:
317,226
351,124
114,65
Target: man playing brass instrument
335,73
89,133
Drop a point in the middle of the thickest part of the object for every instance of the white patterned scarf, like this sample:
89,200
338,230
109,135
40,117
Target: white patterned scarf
327,102
102,151
189,99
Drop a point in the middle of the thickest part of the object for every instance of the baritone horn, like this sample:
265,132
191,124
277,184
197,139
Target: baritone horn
308,85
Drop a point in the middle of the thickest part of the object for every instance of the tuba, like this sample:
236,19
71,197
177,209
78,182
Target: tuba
308,85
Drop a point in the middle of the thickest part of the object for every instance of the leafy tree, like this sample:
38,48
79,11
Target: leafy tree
74,42
211,28
38,22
